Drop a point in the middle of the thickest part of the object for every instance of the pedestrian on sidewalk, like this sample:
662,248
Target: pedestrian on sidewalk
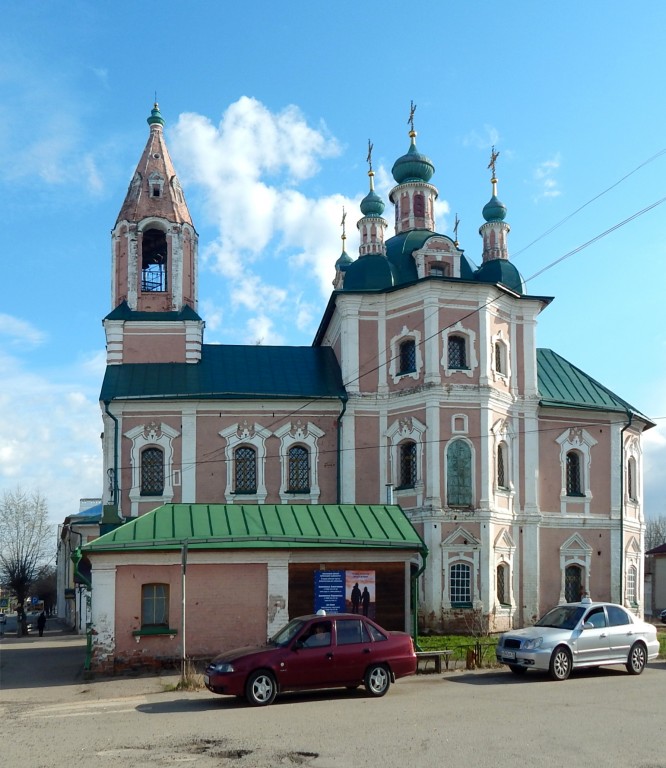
41,623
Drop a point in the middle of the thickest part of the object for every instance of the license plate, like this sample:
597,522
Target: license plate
206,679
508,654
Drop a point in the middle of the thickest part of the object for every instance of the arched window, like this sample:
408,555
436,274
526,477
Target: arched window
407,356
573,583
499,362
574,478
154,260
459,474
245,469
457,352
155,605
152,472
460,584
632,595
503,584
502,466
407,464
631,479
419,205
299,470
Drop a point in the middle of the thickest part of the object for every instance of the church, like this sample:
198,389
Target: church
423,442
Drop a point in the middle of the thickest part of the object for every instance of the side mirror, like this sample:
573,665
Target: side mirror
588,625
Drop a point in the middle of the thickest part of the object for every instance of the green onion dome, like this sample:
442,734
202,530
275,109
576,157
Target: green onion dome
372,204
413,166
155,116
494,209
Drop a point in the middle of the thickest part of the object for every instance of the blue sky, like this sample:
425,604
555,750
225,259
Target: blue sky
269,108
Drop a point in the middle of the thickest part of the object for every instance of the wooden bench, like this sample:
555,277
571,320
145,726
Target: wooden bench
436,657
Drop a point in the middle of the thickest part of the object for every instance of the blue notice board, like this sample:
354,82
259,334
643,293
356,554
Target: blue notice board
329,591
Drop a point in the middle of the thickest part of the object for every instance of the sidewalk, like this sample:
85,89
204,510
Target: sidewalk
51,667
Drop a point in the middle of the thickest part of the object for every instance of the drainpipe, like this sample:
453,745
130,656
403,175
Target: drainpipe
338,478
630,416
115,453
415,599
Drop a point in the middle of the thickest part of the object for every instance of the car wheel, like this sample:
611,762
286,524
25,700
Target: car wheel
560,664
260,689
517,669
377,680
637,659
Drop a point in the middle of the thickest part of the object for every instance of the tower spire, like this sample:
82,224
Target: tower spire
494,232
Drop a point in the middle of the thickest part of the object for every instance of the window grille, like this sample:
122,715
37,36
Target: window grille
152,472
501,585
407,356
573,583
460,578
574,485
459,474
245,466
501,466
154,278
155,605
457,352
408,465
299,470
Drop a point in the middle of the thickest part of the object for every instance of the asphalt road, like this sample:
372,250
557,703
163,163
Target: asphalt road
52,716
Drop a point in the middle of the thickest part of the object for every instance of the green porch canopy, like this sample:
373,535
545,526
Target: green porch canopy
263,526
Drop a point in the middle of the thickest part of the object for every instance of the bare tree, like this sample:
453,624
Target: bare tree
655,532
26,544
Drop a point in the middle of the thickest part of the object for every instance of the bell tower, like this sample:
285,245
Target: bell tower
154,265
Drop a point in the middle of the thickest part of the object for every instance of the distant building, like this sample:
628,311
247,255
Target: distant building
424,386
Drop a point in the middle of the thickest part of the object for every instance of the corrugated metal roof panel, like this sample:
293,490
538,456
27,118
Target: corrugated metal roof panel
251,526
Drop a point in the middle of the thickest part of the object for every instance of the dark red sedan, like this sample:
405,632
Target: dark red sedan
337,651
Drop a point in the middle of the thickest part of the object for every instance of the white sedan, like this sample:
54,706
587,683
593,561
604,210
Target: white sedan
576,635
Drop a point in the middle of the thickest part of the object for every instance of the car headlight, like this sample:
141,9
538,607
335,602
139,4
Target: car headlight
222,668
530,645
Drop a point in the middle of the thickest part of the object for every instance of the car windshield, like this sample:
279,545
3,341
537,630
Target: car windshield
287,633
562,617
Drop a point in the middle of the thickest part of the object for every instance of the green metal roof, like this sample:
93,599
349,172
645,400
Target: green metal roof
563,385
264,526
123,312
231,372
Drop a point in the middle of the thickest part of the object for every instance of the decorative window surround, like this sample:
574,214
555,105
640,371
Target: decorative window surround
155,185
459,424
633,456
579,440
394,365
299,433
632,560
236,435
161,435
407,428
499,344
460,547
505,549
575,551
503,441
472,359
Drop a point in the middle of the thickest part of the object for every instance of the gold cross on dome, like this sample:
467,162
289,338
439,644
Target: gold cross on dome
493,159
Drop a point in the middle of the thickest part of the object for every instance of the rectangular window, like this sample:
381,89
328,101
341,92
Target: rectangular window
155,605
152,472
461,584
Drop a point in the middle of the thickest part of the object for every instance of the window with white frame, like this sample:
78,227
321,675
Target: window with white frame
245,455
632,594
460,584
457,352
499,357
151,458
502,577
299,452
573,583
576,446
459,355
405,437
502,466
406,357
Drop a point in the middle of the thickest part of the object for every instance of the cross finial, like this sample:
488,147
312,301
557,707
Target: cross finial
369,157
412,109
456,224
493,159
342,223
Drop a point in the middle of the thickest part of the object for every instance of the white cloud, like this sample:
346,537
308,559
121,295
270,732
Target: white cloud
544,178
20,332
484,139
49,434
